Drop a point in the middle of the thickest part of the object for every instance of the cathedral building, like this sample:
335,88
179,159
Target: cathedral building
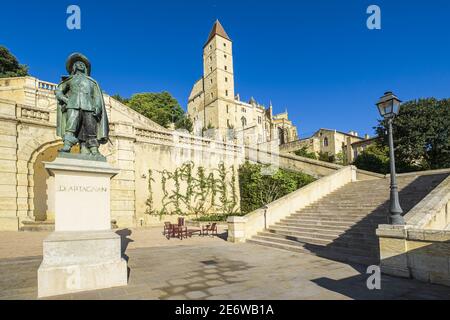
213,102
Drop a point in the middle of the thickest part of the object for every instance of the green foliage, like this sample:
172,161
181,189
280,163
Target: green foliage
421,135
161,107
185,123
201,194
304,152
325,156
257,190
10,66
121,99
374,158
217,217
341,158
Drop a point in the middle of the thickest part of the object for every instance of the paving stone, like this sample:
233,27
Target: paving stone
169,270
196,294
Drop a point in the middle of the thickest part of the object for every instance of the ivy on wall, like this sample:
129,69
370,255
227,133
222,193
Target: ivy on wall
194,191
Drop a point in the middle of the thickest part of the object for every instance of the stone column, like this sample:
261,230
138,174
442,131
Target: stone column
83,253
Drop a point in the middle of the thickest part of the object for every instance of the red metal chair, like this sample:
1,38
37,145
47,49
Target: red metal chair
210,228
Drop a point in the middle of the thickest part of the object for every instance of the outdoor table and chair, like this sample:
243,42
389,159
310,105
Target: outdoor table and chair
181,231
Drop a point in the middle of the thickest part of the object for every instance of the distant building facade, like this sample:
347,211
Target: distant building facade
213,102
332,142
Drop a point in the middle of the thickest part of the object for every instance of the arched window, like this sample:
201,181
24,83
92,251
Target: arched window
244,121
325,142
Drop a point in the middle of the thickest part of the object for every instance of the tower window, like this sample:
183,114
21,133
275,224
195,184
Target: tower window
212,95
226,79
224,44
227,110
210,46
210,58
325,142
244,121
226,93
226,68
210,69
211,81
225,56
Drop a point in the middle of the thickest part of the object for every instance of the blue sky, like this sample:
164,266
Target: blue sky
315,58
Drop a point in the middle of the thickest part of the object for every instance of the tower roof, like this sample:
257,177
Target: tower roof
217,29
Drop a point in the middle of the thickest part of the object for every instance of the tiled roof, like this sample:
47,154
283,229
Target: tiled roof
217,29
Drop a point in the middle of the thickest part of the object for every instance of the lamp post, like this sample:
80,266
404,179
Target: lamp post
389,106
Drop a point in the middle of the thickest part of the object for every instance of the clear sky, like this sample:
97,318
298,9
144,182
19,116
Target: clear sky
315,58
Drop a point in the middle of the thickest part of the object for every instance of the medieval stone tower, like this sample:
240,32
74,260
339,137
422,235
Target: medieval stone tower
214,103
219,77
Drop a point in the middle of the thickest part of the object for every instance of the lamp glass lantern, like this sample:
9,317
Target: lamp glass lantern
389,105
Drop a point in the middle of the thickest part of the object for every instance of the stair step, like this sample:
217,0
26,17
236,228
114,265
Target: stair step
321,253
325,234
364,245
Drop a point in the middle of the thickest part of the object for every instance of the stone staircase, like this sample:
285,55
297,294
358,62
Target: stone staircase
341,226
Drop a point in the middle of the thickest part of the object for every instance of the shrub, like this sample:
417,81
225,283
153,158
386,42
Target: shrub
257,190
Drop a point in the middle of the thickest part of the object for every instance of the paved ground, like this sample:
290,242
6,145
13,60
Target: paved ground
206,268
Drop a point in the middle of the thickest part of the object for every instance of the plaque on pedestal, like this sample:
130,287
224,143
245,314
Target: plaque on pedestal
83,253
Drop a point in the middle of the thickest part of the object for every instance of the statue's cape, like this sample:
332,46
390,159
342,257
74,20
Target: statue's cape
102,127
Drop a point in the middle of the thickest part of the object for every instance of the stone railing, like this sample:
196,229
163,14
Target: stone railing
242,228
421,248
181,139
433,212
46,85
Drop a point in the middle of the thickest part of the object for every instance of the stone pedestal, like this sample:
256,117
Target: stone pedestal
83,253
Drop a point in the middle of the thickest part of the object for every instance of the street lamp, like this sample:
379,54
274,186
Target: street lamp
389,106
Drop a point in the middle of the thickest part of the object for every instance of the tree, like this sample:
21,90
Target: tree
421,135
304,152
10,66
374,158
161,107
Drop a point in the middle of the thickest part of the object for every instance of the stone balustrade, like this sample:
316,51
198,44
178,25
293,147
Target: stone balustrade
46,85
421,248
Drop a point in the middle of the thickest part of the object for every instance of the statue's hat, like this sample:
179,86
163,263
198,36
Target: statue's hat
74,57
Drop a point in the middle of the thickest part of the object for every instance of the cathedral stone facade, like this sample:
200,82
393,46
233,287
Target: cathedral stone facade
214,104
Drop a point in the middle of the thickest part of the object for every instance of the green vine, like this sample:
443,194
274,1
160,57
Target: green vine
198,195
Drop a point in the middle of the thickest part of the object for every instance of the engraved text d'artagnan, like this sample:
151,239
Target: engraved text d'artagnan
75,188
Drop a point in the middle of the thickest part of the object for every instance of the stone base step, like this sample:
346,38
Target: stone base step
37,226
46,226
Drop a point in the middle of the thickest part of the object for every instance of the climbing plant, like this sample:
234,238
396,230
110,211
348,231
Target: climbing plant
197,194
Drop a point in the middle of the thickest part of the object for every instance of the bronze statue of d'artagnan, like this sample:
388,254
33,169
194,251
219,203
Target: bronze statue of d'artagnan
81,114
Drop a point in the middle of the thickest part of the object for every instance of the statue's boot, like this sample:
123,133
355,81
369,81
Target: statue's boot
69,141
67,147
84,149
